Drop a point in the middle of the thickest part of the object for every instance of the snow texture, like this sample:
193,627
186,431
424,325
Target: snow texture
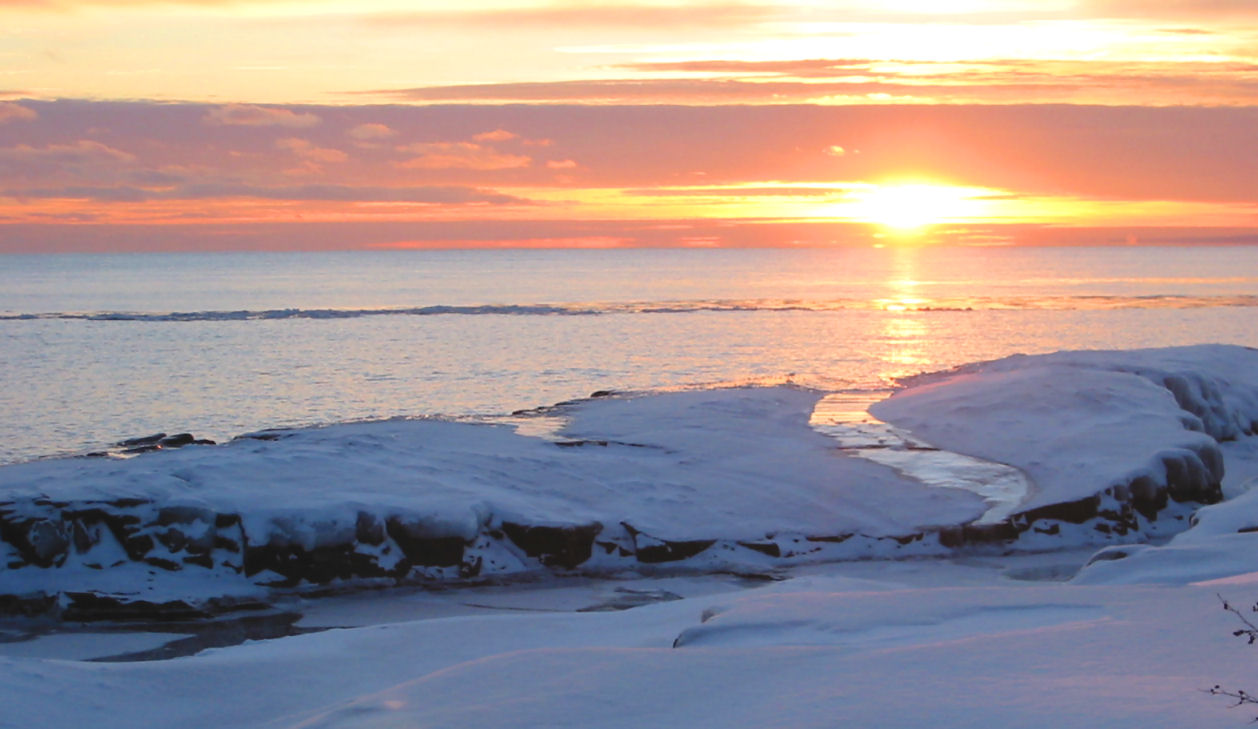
717,478
971,637
918,649
1114,447
1116,435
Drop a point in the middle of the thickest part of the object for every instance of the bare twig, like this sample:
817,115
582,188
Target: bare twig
1249,632
1240,697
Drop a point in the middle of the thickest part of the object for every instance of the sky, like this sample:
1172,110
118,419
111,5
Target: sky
135,125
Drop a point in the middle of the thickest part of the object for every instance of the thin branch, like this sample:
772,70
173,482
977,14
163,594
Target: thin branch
1250,631
1239,696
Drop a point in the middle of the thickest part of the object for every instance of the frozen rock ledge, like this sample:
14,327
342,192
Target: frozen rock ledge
1118,446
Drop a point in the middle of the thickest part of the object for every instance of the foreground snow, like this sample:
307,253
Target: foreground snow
942,644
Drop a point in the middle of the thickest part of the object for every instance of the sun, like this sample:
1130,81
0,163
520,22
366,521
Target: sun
910,207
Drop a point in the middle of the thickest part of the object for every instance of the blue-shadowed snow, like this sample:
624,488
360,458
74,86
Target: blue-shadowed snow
927,645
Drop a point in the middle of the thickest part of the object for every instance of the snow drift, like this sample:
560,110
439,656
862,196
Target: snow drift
1109,439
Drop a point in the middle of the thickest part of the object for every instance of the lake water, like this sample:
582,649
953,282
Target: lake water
94,348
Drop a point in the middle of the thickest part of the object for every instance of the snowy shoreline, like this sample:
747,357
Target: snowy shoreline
1029,626
1116,448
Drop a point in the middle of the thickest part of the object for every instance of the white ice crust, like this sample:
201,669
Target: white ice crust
731,465
946,643
1072,420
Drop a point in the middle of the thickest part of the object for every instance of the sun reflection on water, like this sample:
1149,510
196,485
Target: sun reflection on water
904,335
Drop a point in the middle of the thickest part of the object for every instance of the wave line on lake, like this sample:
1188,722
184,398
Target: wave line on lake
1012,303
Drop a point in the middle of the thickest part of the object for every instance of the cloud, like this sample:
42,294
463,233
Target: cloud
10,111
165,177
440,194
248,115
81,192
83,151
562,164
1192,9
460,155
437,194
82,161
690,92
1000,81
62,5
370,132
806,67
309,151
591,15
835,150
1089,152
498,135
591,91
560,14
1187,31
736,191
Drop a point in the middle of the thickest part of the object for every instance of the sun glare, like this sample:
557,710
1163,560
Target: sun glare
909,207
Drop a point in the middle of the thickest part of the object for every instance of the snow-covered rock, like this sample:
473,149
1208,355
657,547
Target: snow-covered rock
1221,546
1115,446
1217,383
1113,441
722,479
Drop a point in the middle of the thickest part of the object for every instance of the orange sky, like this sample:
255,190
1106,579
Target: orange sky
205,125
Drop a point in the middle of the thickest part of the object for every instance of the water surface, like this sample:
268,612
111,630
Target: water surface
94,348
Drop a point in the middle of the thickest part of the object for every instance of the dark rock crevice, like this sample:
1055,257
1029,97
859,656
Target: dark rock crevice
564,547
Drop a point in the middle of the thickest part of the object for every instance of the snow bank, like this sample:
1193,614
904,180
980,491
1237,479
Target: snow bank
1116,446
1111,441
1220,548
1217,383
722,479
